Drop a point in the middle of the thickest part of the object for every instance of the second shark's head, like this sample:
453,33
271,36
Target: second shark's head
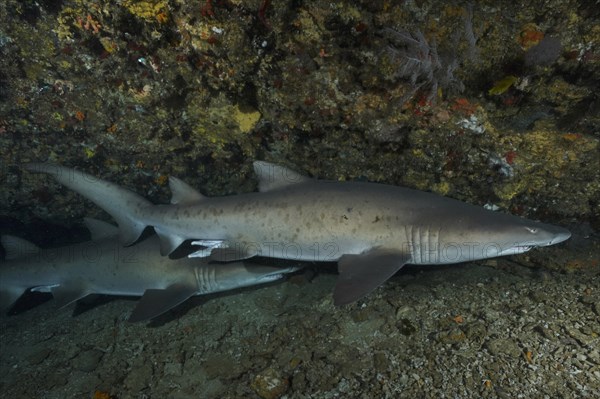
239,274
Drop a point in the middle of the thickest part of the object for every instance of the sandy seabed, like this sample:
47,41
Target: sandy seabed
493,329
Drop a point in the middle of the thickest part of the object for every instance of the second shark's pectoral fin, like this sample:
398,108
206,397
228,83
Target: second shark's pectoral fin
361,274
156,302
66,294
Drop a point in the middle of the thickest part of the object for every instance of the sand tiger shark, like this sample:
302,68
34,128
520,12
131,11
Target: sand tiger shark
104,266
370,229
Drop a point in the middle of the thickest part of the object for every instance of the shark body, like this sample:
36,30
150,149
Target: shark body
370,229
104,266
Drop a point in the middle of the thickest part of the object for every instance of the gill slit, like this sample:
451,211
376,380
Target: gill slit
423,244
206,278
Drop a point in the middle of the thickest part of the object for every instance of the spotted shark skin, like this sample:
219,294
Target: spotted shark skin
370,229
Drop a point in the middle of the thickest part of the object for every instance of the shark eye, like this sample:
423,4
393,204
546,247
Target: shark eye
532,230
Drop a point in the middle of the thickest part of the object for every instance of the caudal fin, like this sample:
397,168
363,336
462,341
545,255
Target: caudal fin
125,206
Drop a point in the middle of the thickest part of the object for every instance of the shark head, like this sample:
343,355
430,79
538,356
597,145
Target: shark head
239,274
527,235
504,234
475,233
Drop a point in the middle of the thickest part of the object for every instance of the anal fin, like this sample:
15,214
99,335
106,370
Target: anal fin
168,242
361,274
155,302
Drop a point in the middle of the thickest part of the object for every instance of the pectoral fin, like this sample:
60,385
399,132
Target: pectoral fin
361,274
67,293
156,302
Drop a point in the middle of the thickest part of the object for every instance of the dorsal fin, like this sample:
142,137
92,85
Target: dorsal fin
16,247
272,177
183,193
99,229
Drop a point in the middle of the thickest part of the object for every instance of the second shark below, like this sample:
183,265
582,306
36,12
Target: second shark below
103,266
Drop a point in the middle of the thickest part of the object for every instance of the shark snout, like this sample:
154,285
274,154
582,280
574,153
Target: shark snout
560,235
546,235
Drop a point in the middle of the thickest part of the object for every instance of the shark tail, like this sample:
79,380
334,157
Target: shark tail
125,206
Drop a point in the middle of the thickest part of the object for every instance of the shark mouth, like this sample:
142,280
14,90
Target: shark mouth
516,249
525,248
